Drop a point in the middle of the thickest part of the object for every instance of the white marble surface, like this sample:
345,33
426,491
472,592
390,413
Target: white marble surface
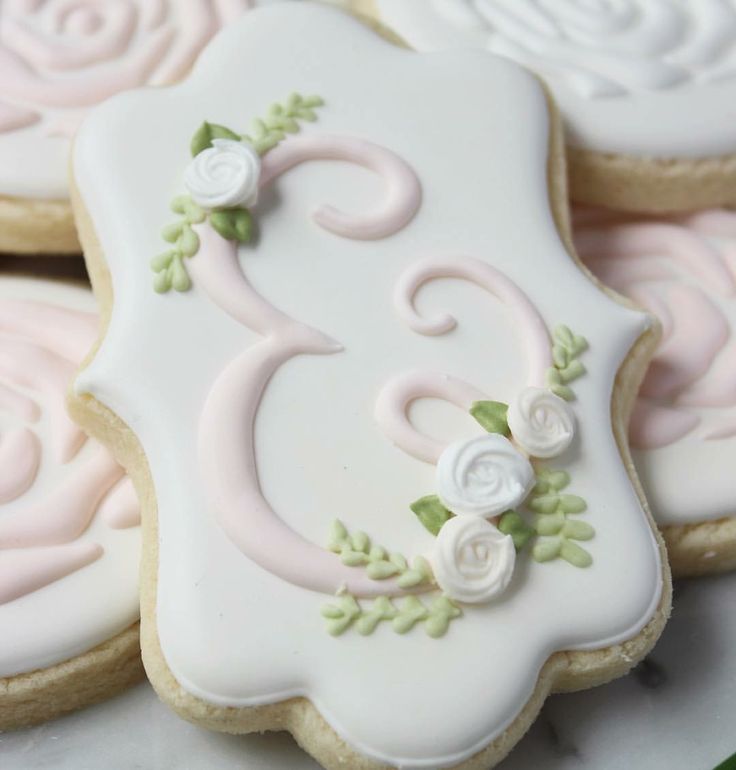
676,711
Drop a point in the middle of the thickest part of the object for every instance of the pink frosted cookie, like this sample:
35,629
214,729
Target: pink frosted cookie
346,361
58,58
683,428
69,534
646,88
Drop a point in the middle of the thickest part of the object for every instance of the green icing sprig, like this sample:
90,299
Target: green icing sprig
558,532
282,119
403,615
566,347
234,223
356,550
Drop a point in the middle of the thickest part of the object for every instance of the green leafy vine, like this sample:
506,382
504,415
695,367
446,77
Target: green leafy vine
566,347
235,223
558,532
403,616
356,550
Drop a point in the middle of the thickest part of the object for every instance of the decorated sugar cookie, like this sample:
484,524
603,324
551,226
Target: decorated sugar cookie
683,428
646,88
69,534
58,59
374,434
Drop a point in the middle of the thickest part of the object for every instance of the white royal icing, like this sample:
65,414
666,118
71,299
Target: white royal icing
542,424
619,69
472,561
224,175
231,632
70,615
58,58
484,476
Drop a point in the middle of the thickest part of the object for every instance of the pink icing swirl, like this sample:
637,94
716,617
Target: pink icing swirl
682,270
71,54
40,539
225,440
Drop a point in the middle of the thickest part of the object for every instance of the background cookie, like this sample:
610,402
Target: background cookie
683,428
265,387
646,89
69,534
56,61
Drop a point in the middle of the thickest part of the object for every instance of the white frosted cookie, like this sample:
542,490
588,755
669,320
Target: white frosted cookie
683,428
69,534
646,87
381,447
58,59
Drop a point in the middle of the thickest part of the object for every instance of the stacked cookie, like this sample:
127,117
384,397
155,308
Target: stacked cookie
375,408
69,517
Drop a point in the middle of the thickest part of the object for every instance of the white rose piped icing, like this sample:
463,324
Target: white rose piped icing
542,424
483,477
224,175
619,69
472,561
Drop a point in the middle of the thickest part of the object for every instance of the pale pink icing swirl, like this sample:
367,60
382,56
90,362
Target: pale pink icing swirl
225,440
72,54
40,539
682,270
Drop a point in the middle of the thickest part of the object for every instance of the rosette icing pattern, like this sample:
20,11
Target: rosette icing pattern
684,271
60,56
472,561
542,424
42,521
483,477
606,48
224,175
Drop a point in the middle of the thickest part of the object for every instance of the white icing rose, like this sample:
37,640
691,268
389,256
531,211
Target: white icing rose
600,48
542,424
224,175
472,561
483,477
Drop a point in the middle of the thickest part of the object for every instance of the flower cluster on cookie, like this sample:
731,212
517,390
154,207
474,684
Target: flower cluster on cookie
222,182
490,503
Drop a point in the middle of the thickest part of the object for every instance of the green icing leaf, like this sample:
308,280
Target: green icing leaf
572,504
565,351
513,524
347,611
430,511
575,554
578,530
544,503
233,224
356,550
550,524
171,232
547,549
188,242
380,570
204,135
491,415
552,521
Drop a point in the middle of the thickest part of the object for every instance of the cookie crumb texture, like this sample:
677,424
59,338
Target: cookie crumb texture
69,519
378,432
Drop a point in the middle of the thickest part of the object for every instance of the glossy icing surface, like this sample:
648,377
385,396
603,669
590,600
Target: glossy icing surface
69,540
315,424
619,70
684,426
60,57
